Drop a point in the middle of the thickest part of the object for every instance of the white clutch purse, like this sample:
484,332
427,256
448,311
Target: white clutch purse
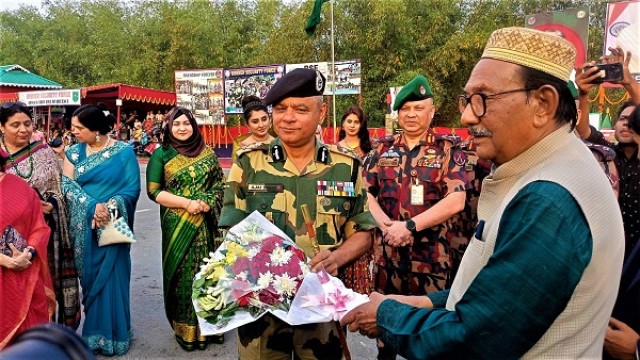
116,231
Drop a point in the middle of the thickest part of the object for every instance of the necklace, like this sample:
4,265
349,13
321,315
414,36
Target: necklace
91,151
260,140
351,147
15,164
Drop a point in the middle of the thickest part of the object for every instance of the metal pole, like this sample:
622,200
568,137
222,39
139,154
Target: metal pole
333,69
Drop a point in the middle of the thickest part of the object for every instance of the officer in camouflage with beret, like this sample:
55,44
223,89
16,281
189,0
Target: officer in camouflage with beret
276,179
416,182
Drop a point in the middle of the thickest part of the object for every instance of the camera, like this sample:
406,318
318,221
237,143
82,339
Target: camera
48,341
608,73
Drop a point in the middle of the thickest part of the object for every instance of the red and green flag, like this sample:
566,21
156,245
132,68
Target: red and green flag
314,19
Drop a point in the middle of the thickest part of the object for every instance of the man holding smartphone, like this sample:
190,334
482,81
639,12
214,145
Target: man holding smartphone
621,339
626,149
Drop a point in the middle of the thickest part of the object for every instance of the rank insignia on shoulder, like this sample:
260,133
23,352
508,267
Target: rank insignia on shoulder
323,155
277,153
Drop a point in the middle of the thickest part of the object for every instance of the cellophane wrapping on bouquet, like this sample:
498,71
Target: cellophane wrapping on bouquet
259,269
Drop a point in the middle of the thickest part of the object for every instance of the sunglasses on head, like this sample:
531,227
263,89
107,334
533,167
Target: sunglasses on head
12,104
55,142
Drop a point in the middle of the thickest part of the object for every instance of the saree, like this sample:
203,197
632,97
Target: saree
45,179
26,296
186,238
357,275
105,272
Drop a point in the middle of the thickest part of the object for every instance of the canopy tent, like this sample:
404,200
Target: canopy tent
15,78
143,98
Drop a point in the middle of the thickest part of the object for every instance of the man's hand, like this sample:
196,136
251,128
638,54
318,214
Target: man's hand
618,56
324,259
585,77
396,234
363,318
620,340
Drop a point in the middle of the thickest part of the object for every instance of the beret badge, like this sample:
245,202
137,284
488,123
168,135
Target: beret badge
319,81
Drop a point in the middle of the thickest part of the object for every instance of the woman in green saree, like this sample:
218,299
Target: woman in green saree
185,178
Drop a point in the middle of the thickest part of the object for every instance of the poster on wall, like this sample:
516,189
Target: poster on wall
623,30
201,91
241,82
571,24
347,77
322,67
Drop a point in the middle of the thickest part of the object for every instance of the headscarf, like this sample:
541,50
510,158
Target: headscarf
190,147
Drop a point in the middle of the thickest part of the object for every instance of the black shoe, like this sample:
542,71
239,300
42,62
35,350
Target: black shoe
215,339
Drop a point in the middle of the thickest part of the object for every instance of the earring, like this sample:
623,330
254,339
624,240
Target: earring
97,137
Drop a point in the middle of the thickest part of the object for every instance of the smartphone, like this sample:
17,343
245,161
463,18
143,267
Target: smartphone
608,73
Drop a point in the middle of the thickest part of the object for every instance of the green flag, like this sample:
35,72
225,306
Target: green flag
606,121
314,19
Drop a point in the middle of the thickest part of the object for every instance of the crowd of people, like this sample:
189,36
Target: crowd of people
520,241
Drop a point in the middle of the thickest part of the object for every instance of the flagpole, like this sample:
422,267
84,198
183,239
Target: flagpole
333,69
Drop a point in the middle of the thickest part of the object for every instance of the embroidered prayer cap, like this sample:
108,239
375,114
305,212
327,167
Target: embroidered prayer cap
415,90
535,49
296,83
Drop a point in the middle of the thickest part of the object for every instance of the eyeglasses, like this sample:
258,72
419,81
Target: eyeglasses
478,101
12,104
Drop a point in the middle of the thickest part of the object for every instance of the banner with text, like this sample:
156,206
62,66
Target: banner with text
61,97
241,82
201,91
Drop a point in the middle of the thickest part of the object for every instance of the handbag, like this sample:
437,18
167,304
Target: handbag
116,231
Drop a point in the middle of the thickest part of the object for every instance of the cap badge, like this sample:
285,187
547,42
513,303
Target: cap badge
319,82
422,90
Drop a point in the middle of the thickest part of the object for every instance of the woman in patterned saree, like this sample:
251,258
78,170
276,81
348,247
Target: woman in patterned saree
354,135
39,166
98,170
185,178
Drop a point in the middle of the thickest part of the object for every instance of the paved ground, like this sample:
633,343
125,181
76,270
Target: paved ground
153,337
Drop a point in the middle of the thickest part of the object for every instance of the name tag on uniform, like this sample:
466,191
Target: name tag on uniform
265,188
417,194
388,161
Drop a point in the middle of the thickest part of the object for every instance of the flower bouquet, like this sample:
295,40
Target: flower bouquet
258,269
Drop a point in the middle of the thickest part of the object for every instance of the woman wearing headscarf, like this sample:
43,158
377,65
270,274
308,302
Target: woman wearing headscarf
185,178
39,166
99,170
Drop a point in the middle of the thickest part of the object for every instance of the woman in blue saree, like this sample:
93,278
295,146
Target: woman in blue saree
98,170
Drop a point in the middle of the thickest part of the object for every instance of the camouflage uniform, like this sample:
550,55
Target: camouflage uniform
263,179
463,224
436,164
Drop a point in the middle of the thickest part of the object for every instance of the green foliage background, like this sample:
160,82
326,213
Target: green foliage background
138,42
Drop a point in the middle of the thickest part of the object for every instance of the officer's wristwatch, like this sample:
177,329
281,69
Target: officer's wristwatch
411,225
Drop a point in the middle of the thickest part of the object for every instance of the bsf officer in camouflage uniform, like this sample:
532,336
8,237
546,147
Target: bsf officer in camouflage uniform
276,179
463,224
416,182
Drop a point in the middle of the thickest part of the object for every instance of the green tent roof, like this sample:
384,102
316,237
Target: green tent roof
16,75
